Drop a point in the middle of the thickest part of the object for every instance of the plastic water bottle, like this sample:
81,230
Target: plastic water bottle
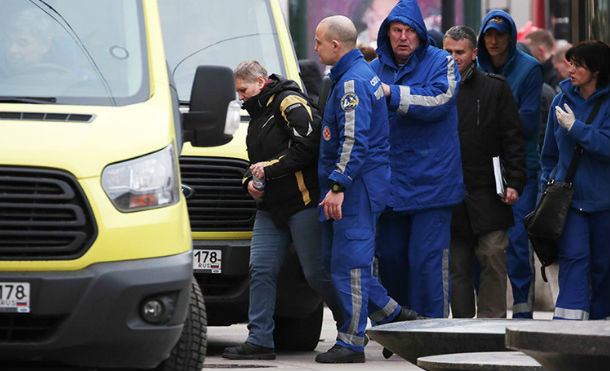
258,183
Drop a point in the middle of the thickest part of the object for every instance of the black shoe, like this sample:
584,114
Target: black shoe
248,351
406,315
386,353
340,354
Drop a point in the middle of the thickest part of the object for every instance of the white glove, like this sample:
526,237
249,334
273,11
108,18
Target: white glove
565,118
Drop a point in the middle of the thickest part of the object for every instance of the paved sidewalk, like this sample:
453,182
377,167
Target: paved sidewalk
219,337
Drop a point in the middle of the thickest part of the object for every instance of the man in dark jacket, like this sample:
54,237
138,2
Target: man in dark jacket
283,141
489,126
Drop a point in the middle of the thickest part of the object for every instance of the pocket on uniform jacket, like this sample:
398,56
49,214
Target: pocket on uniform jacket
358,234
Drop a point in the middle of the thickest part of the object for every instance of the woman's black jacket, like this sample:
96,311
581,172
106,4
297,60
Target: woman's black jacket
284,133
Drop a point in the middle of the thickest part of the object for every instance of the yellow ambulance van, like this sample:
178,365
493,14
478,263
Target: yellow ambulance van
95,244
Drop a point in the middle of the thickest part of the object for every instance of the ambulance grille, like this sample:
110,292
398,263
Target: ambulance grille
219,203
43,215
26,327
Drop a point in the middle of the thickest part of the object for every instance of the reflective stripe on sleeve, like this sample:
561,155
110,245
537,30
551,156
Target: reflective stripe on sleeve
406,99
349,130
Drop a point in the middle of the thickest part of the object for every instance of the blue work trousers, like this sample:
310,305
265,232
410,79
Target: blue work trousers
519,256
267,251
584,267
349,247
413,255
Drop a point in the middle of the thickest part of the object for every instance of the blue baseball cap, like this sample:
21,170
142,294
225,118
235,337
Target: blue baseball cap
499,23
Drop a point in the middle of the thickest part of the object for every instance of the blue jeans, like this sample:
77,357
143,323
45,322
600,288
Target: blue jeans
267,251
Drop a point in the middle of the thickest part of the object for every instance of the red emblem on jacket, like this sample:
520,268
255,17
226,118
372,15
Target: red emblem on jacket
326,133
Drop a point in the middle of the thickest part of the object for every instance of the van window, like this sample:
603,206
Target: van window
224,33
73,51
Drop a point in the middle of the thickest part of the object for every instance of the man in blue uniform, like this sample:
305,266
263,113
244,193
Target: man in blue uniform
354,173
498,53
420,85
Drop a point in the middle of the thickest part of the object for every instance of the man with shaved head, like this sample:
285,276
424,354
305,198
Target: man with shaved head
354,173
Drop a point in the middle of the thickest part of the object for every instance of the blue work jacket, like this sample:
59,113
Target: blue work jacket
425,155
592,177
354,142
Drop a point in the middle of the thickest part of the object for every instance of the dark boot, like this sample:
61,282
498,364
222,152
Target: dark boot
404,315
340,354
248,351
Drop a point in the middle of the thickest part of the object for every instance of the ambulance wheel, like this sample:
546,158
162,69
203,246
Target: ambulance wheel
189,353
298,334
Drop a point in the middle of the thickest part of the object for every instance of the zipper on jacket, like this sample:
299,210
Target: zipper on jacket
478,110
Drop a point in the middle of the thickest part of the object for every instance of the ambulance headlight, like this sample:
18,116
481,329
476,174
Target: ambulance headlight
145,182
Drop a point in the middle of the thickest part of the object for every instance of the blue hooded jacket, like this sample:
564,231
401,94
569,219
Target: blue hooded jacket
354,142
425,148
524,75
592,178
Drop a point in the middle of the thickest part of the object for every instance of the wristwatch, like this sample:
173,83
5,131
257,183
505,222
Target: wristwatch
337,187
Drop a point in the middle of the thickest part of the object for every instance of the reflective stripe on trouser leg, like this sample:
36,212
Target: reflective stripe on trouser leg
352,248
384,315
574,267
381,307
446,287
351,336
584,267
350,269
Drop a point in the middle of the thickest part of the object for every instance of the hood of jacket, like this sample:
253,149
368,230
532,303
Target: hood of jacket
276,83
407,12
483,56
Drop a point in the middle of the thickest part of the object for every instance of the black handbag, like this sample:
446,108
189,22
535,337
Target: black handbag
545,224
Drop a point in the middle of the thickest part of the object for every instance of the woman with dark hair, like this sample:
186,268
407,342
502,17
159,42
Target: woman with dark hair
580,118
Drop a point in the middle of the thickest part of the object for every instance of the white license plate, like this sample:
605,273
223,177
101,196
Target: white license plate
207,260
15,297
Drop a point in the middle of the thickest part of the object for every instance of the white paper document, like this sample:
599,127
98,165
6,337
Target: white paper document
499,176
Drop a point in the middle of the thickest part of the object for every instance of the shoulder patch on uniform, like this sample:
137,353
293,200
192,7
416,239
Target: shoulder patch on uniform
349,102
374,81
326,133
